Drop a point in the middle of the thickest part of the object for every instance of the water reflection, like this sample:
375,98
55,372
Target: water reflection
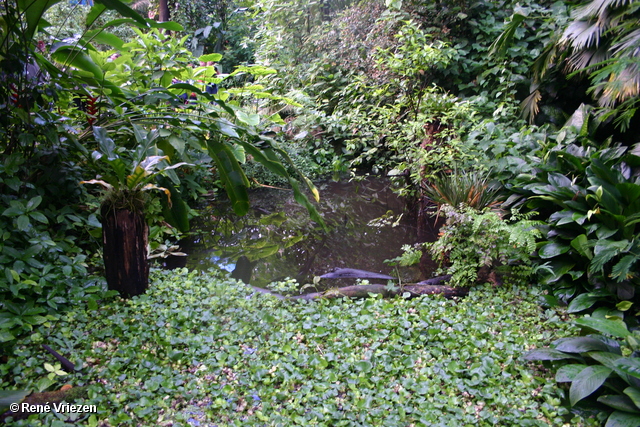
278,240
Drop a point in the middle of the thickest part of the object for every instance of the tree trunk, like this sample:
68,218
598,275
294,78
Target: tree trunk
164,14
125,235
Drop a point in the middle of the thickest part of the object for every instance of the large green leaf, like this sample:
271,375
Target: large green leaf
629,365
270,160
215,57
581,345
560,267
136,178
561,217
629,191
94,13
632,219
567,373
634,395
102,37
169,25
149,163
604,232
120,169
227,128
33,11
548,354
582,245
622,419
123,10
176,213
615,327
186,86
106,144
610,360
582,302
274,165
249,119
619,402
603,171
558,180
232,176
587,381
76,57
304,201
552,249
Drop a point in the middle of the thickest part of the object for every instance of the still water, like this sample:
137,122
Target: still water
367,221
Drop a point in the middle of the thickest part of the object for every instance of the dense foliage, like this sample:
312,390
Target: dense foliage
72,112
467,104
221,353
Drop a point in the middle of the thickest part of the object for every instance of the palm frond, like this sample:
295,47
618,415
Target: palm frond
583,59
547,59
502,43
583,34
531,106
627,45
589,10
617,81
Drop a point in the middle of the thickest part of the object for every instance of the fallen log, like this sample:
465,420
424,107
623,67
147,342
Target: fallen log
357,291
435,280
427,287
63,360
433,286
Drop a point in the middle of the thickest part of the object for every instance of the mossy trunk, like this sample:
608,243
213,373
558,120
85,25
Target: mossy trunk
125,236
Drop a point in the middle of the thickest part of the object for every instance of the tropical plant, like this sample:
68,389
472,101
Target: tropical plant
592,199
463,188
47,227
603,369
47,137
124,228
603,38
472,239
599,40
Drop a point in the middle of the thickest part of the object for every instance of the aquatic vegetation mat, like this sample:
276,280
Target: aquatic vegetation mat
202,350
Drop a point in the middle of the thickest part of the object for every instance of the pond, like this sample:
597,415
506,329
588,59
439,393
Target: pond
368,224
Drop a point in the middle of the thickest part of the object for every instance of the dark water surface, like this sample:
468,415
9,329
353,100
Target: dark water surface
277,239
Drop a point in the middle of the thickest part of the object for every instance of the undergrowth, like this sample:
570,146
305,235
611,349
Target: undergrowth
200,349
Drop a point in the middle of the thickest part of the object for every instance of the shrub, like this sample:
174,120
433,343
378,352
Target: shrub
470,240
592,199
603,369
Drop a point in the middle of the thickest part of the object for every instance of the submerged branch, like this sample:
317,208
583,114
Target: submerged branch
433,286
